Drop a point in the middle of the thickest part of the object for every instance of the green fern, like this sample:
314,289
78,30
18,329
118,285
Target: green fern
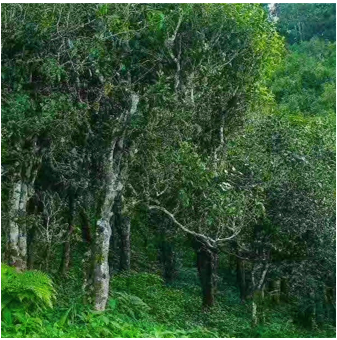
129,304
29,288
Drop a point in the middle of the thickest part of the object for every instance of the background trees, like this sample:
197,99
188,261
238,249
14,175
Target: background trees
158,138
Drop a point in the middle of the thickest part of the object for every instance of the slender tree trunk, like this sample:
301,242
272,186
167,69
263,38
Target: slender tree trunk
125,249
275,290
207,262
113,187
67,245
23,189
258,311
103,229
85,227
167,255
258,302
168,260
114,259
241,277
17,246
115,223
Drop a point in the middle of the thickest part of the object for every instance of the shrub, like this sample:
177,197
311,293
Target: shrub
24,290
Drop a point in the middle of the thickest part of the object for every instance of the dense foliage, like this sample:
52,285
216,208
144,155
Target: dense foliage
168,170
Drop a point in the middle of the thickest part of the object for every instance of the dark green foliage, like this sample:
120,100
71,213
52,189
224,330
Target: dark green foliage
301,22
306,82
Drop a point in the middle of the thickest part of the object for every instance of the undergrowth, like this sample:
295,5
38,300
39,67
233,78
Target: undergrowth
141,305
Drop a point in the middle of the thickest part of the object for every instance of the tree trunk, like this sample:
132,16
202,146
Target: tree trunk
101,267
284,288
167,256
66,250
23,189
241,278
17,246
113,187
168,260
85,227
275,290
207,262
103,228
125,249
258,303
115,223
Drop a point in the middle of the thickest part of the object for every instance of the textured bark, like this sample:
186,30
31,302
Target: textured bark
101,267
17,231
113,187
207,262
102,243
115,222
22,191
258,301
17,245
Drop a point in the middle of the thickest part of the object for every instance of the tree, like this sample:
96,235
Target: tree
184,169
301,22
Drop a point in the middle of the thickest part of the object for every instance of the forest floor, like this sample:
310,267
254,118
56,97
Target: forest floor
141,305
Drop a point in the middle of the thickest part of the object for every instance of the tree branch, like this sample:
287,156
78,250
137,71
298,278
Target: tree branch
209,242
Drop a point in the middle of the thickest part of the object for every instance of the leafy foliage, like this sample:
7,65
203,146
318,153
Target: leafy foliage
30,288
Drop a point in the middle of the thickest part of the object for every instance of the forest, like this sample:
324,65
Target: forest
168,170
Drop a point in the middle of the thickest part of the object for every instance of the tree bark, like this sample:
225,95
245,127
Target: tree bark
17,245
258,312
207,262
113,187
258,303
23,189
103,228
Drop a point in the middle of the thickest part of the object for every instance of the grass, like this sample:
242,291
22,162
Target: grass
141,305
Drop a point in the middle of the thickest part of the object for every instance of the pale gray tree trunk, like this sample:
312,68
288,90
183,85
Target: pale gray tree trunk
113,187
103,232
258,312
275,290
21,193
17,244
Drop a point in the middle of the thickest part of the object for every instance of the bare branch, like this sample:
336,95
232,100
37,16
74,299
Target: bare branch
209,242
